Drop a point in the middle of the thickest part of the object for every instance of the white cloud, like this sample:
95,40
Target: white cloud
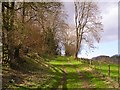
110,22
109,12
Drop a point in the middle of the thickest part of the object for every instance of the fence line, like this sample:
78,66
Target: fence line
98,66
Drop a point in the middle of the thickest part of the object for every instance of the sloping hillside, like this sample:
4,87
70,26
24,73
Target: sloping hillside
27,72
107,59
58,72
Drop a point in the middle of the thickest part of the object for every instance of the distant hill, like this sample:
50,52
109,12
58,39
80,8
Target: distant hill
115,58
104,58
101,57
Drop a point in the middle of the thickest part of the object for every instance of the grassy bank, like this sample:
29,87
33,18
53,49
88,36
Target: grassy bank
55,72
104,69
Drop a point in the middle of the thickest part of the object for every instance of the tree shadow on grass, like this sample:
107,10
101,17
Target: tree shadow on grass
24,67
59,79
71,78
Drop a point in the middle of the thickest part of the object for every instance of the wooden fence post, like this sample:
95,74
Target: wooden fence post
109,70
118,73
95,65
100,67
90,62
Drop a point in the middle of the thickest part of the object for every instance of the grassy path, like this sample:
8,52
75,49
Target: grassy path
59,72
84,79
78,75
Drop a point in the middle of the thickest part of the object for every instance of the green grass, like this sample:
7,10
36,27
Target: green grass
98,83
72,78
113,69
51,74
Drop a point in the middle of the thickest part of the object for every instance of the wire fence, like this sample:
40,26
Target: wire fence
107,69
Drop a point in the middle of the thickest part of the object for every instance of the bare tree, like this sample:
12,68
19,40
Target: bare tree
69,40
87,22
38,20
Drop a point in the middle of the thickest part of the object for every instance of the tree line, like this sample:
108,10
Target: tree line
42,28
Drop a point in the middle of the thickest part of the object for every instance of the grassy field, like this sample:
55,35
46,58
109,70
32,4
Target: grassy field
57,72
103,68
79,75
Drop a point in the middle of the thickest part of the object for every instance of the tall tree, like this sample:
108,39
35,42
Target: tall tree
7,29
69,40
42,21
33,26
88,25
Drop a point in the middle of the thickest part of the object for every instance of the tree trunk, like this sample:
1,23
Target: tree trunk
8,27
5,56
109,70
10,31
76,53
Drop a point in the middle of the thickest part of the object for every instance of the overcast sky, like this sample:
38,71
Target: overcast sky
109,40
